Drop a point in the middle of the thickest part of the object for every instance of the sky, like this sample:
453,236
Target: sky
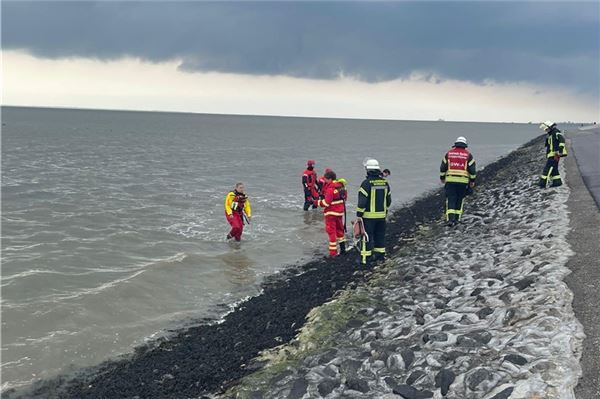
487,61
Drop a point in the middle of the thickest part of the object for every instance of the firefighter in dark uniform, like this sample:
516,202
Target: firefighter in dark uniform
458,172
555,149
374,200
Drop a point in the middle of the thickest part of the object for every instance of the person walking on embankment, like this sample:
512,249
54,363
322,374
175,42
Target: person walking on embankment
555,149
458,172
374,200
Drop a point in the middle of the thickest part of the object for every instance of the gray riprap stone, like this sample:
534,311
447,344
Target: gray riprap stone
524,283
325,387
444,379
485,312
526,251
480,336
330,370
409,392
350,367
408,356
452,285
476,291
257,395
354,323
477,377
438,337
448,327
516,359
328,356
414,377
357,384
505,394
298,389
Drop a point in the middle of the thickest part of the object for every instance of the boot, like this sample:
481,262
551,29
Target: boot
342,248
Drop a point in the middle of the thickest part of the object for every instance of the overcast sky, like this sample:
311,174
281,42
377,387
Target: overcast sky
373,59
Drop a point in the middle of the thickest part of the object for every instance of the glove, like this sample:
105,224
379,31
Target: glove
472,184
316,202
557,157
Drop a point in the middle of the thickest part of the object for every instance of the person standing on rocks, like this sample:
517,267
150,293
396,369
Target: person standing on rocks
374,200
458,173
334,202
236,205
555,149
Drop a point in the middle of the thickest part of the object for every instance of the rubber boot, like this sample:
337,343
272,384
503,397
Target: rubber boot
342,248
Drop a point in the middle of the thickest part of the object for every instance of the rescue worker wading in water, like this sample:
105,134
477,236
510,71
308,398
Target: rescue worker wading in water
555,149
236,205
321,184
334,199
309,182
374,199
458,173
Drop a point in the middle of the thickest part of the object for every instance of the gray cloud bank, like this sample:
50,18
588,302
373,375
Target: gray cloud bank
545,43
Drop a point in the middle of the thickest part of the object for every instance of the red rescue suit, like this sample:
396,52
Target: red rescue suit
334,203
309,182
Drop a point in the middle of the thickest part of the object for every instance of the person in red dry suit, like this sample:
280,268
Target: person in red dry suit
334,202
236,205
309,182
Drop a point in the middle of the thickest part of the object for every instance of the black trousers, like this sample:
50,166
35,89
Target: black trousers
455,195
550,174
375,247
308,200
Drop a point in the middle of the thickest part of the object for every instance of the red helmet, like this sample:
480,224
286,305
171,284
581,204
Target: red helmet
328,170
310,162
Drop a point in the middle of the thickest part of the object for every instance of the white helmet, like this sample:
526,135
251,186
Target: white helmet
371,164
462,140
547,125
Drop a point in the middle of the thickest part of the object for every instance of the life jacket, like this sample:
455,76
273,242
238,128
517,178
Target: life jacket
458,161
334,199
311,178
239,201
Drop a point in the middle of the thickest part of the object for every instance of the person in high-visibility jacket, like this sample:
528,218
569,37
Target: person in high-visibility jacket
555,149
309,182
334,202
458,172
236,206
374,200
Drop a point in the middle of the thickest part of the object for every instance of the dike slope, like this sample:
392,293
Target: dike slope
212,357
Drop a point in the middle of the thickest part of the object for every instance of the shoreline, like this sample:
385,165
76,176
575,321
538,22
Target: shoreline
210,358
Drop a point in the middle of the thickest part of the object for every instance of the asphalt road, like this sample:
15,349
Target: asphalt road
584,238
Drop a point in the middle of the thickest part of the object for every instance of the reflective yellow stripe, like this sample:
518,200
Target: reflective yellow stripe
444,160
337,202
472,177
342,239
362,190
379,250
323,203
457,179
333,214
360,209
471,162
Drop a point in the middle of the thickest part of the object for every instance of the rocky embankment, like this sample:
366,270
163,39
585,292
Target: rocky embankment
479,311
475,312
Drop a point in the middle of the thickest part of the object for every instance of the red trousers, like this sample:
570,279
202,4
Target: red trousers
237,225
334,226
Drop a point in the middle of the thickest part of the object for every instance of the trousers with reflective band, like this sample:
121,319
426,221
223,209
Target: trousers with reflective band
375,229
455,196
550,175
334,226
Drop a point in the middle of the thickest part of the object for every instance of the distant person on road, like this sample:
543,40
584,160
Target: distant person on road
458,172
334,202
309,183
386,173
555,149
237,207
374,200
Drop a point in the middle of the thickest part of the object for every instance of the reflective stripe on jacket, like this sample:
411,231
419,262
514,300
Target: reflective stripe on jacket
374,197
555,142
333,199
458,166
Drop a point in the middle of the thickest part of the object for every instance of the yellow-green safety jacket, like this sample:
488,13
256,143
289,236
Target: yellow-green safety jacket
374,197
555,142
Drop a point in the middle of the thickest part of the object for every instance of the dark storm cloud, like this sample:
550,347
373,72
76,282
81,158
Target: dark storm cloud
549,43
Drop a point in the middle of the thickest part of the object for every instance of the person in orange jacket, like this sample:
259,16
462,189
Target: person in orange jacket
236,205
309,182
334,202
